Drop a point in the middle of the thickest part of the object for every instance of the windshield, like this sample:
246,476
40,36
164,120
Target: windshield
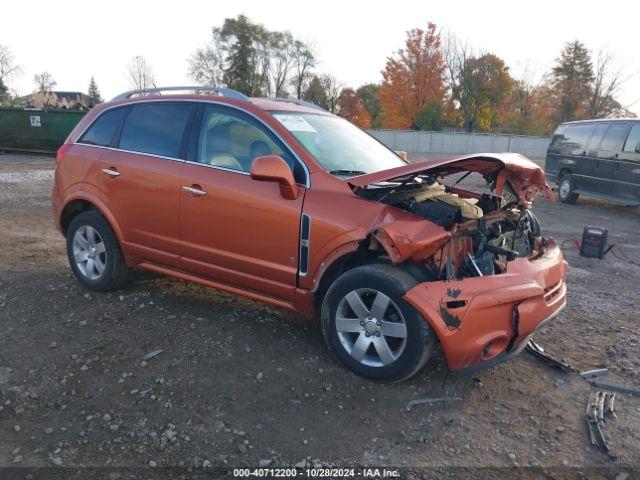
339,147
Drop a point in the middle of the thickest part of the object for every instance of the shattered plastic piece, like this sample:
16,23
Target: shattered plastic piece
430,400
151,354
598,372
535,349
596,411
615,388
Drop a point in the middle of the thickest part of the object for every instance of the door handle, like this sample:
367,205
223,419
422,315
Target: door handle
194,191
112,172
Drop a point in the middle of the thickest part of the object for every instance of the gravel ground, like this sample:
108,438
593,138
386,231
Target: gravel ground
242,384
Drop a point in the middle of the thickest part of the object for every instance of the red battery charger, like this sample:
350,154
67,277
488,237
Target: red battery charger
594,242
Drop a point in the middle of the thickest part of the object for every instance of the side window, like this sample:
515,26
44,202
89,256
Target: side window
101,132
633,139
613,136
155,128
576,137
597,136
233,140
558,135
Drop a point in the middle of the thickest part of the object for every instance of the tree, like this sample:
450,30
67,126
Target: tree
44,82
571,79
140,73
368,95
482,88
332,90
315,93
411,78
249,58
304,60
430,117
606,83
8,70
350,107
94,92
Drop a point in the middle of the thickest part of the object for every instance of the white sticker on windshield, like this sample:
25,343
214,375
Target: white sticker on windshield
295,123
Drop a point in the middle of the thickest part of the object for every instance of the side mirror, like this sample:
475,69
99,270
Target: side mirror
638,147
273,168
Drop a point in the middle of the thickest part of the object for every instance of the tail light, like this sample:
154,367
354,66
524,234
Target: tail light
62,151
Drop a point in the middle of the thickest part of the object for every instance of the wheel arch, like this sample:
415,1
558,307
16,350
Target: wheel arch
82,203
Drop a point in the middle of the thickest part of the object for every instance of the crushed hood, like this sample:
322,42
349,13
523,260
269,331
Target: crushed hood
526,178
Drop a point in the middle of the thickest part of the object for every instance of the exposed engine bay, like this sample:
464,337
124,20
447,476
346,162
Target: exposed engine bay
485,230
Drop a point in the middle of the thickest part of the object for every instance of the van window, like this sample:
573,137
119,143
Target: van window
155,128
102,130
597,136
633,139
558,135
614,134
576,137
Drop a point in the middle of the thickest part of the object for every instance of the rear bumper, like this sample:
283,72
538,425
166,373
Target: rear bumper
474,317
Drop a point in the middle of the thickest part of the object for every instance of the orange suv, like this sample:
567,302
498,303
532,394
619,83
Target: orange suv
283,202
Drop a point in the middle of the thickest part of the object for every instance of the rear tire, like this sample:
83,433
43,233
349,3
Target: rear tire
565,190
370,329
94,252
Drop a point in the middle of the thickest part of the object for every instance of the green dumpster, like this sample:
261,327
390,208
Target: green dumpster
36,130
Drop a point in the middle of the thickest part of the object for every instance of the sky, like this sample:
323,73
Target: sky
74,40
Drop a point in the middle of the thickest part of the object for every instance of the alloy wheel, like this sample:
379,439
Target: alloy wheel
89,252
371,327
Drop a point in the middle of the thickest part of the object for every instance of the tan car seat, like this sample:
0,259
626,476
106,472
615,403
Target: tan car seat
217,150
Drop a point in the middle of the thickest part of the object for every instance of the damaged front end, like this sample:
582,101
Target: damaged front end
488,276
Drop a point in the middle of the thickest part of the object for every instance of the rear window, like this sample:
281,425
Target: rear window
613,136
576,136
101,132
155,128
633,139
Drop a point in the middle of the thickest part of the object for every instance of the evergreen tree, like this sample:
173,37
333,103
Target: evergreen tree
315,93
571,79
94,93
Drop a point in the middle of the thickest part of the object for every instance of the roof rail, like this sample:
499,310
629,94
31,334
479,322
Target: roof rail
222,91
297,101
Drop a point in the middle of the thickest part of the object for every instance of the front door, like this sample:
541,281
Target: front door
234,229
141,180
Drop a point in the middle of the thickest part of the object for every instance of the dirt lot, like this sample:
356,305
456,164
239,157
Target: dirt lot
241,384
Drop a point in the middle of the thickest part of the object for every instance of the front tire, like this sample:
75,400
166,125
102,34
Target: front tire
565,190
370,329
94,252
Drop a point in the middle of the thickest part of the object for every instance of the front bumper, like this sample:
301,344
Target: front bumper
474,317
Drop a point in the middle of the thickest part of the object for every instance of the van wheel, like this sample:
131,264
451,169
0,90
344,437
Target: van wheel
94,253
565,190
370,329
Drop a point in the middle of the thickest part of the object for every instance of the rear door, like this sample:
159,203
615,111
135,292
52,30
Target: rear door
627,172
608,154
237,230
141,178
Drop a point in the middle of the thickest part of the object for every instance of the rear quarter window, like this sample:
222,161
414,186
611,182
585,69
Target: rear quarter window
156,129
633,139
103,129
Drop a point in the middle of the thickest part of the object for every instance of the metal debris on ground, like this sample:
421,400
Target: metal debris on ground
151,354
421,401
598,372
535,349
599,405
615,388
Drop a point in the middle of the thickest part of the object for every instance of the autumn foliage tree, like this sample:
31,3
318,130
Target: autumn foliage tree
351,108
412,78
